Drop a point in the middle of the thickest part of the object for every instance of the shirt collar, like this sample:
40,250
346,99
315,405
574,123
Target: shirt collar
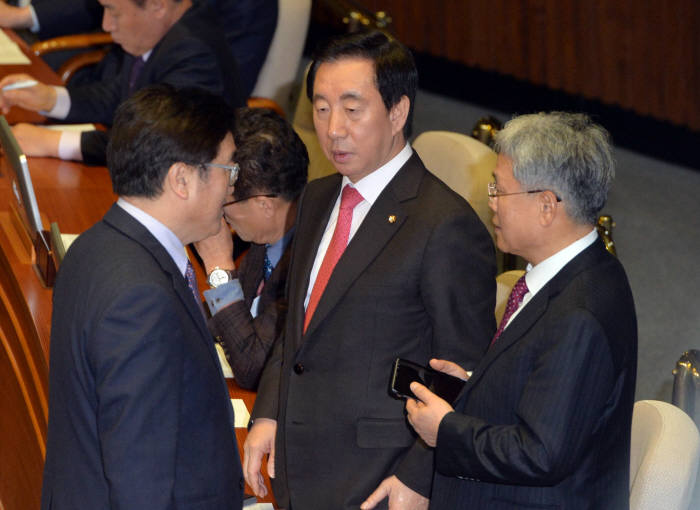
163,234
370,186
275,250
538,276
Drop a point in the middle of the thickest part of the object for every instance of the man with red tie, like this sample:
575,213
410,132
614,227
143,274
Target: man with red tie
387,262
544,420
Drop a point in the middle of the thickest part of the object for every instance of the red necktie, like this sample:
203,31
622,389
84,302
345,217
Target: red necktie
349,199
514,300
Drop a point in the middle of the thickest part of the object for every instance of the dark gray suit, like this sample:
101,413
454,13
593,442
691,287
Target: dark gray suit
139,415
544,421
418,287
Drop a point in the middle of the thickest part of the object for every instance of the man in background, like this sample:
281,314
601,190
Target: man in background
160,41
544,420
387,262
139,414
247,304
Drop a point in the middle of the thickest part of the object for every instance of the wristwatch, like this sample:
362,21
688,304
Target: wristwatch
219,276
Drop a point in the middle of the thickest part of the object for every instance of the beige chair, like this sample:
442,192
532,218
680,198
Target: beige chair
463,163
504,284
664,457
303,124
277,78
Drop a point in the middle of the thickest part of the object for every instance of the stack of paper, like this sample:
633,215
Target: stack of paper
10,54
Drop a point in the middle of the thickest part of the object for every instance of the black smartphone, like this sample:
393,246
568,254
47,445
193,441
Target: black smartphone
405,372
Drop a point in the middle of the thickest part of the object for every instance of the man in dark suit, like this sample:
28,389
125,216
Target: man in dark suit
160,41
544,420
139,415
247,304
414,277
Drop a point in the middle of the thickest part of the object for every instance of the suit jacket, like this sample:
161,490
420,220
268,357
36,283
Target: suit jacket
62,17
544,421
417,287
192,54
139,414
247,341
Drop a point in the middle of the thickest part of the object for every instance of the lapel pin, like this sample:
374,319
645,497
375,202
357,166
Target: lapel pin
392,218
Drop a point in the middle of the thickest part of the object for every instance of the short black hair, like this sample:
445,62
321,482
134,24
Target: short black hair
272,157
394,68
158,126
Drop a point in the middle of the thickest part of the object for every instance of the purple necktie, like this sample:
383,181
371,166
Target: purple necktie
514,300
192,283
136,69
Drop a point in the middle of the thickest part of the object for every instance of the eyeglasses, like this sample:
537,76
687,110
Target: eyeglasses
231,169
268,195
494,193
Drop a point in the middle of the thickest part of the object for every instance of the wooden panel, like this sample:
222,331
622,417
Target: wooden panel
639,54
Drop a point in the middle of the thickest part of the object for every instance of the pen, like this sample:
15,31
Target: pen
22,84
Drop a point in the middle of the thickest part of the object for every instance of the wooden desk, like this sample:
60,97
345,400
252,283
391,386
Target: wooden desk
76,196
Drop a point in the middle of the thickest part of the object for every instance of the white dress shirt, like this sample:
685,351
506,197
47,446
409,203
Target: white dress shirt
538,276
370,187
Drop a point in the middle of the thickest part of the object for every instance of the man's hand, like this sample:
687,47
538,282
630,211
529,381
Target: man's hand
260,440
40,97
217,250
449,368
36,140
425,414
400,496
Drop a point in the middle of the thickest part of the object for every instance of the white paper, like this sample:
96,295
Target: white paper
225,367
240,413
10,54
252,505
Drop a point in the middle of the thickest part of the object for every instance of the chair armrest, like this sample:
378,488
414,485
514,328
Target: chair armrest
69,42
264,102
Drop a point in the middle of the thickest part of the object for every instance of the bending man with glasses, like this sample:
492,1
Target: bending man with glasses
544,420
247,304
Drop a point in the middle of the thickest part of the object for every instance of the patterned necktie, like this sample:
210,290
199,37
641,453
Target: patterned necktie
267,267
514,300
136,69
349,199
192,283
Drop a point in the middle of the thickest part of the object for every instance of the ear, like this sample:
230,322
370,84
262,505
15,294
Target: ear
548,204
156,8
267,205
179,180
399,114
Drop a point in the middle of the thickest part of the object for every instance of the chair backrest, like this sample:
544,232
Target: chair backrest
504,284
664,457
463,163
303,124
279,72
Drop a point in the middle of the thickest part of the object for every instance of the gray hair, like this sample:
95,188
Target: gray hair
565,153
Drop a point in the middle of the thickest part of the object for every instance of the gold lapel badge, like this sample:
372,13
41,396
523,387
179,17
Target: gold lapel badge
392,218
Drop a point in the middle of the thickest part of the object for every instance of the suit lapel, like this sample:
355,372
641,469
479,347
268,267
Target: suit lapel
371,238
534,310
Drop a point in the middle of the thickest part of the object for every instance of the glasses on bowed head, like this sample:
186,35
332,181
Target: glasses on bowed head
494,193
231,169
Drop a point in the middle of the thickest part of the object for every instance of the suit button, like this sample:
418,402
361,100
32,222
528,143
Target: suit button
299,369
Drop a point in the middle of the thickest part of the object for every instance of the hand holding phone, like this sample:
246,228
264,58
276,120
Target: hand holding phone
405,372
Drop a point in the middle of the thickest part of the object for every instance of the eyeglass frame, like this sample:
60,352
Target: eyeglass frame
232,170
266,195
494,193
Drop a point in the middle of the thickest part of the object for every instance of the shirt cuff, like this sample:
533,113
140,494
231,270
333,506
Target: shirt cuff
69,146
223,295
62,107
34,28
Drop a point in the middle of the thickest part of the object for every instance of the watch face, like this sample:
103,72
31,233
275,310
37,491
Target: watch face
218,277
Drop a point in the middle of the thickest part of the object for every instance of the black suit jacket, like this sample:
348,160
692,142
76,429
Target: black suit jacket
247,341
139,414
62,17
416,281
544,421
192,54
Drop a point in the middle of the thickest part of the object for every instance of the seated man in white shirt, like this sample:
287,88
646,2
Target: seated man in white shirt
160,41
544,420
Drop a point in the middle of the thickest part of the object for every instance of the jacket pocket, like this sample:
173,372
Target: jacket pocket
383,433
